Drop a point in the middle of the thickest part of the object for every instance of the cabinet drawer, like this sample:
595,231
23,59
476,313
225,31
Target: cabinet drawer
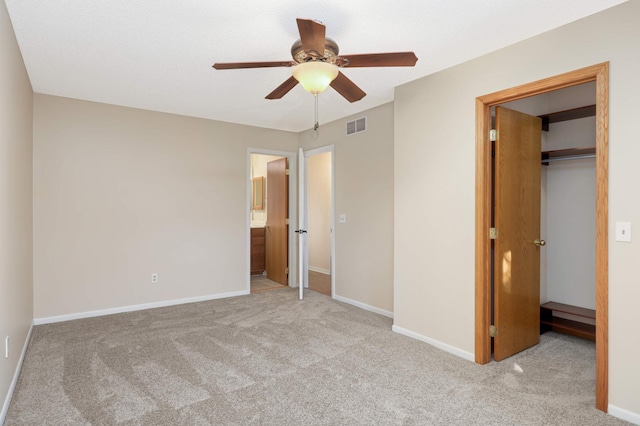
257,241
258,250
257,232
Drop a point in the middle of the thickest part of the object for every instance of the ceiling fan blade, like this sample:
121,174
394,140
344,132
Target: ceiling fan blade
283,89
312,35
394,59
237,65
347,88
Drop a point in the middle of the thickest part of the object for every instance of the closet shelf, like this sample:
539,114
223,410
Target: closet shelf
549,322
567,154
570,114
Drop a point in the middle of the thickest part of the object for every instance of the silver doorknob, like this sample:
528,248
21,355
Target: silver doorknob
539,242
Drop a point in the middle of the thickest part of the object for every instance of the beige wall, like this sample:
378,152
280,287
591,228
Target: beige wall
16,280
319,211
121,193
364,193
434,183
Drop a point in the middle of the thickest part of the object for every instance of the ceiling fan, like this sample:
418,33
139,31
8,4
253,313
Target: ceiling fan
316,64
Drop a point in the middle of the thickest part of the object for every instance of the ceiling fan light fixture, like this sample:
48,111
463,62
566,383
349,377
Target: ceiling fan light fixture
315,76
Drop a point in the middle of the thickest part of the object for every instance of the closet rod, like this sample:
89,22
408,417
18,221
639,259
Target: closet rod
573,157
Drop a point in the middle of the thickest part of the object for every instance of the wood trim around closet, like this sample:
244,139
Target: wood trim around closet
600,74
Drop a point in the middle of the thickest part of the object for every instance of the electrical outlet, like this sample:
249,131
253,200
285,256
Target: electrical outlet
6,347
154,278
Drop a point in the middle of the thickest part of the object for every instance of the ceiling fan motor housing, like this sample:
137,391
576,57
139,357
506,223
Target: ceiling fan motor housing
330,53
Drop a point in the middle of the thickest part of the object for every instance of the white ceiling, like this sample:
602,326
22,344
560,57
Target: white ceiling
157,54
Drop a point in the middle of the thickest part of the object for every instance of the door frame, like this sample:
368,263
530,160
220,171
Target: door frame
293,219
332,247
600,74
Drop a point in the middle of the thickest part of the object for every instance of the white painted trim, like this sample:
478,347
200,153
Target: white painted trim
303,280
132,308
623,414
332,260
438,344
364,306
12,386
319,270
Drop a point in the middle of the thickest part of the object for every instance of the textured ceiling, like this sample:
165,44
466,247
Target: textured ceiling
157,54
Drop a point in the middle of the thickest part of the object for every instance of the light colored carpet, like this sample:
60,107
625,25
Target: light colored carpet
269,359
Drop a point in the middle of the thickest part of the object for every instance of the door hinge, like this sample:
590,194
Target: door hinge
286,271
492,135
286,221
286,172
493,233
493,331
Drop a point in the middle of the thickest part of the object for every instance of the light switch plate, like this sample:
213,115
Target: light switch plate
342,218
623,231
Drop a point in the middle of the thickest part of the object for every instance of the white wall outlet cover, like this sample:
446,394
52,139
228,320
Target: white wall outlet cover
342,218
623,231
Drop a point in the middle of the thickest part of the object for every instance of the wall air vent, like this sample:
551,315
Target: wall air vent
356,126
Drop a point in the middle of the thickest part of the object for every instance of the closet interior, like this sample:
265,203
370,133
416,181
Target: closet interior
568,203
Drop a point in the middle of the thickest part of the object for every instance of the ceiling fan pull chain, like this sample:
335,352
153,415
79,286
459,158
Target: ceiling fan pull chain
316,126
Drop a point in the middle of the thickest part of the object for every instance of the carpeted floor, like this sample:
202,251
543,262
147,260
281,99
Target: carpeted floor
270,359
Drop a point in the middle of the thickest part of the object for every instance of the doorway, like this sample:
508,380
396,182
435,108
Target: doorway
317,241
484,309
319,196
271,202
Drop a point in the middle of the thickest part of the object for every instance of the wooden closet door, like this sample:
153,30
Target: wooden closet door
277,228
517,221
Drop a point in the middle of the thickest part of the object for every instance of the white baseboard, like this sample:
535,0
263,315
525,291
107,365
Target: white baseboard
623,414
12,386
438,344
320,270
132,308
364,306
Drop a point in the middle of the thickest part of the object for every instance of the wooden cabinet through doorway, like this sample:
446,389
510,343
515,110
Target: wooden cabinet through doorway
258,263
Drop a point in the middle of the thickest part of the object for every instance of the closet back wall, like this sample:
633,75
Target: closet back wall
571,217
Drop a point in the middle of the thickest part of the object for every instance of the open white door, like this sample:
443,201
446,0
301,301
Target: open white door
301,231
